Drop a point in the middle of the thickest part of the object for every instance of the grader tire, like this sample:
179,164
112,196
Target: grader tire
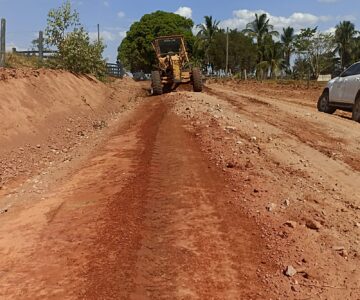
156,83
197,80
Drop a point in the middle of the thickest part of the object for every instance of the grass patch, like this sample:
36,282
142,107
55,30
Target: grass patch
20,61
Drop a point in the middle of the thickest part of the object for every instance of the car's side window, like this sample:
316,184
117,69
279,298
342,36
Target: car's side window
357,71
353,70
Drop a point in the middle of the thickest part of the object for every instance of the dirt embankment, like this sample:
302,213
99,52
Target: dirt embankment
45,114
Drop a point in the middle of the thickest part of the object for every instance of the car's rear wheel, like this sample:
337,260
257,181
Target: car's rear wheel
323,104
356,110
156,83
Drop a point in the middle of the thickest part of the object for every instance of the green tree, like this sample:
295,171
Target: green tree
242,51
206,33
287,39
272,58
35,43
76,53
60,21
79,55
317,50
136,52
355,52
344,36
259,29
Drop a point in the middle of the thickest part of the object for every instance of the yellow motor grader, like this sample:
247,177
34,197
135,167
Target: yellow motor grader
173,66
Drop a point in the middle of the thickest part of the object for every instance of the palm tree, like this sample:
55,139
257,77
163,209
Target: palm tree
344,36
262,31
207,32
259,29
287,38
272,60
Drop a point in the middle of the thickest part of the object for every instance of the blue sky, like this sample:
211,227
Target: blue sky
26,17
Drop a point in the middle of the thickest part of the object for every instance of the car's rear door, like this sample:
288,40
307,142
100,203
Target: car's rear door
344,85
335,90
352,85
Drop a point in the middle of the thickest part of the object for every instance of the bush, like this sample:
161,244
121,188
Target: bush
77,54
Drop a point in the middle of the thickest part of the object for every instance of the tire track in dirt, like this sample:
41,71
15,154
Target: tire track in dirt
280,167
184,241
311,134
294,138
277,92
110,275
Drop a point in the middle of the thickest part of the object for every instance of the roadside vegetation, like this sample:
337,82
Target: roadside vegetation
14,61
75,52
258,50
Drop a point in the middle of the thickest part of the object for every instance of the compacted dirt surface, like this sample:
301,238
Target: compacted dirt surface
243,191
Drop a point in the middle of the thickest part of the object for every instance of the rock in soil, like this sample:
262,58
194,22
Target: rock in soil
290,271
312,224
291,224
271,207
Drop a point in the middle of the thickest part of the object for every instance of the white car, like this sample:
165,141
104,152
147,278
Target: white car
343,93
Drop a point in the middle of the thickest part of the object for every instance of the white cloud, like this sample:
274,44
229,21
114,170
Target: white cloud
184,12
330,30
106,3
122,34
121,14
195,30
297,20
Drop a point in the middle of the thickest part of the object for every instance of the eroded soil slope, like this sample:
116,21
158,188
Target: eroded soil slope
47,114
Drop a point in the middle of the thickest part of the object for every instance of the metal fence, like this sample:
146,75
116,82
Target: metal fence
41,54
115,70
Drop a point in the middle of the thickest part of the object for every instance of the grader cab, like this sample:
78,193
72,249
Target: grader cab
173,66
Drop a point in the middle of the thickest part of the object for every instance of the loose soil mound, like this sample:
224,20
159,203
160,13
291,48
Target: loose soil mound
44,112
32,101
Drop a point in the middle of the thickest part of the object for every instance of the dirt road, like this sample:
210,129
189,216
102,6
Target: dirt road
196,196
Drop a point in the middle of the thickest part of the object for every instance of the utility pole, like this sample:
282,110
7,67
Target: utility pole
2,43
41,45
227,50
98,30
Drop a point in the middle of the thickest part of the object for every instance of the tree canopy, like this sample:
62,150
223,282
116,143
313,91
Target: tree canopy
206,34
316,50
242,51
60,21
76,52
344,36
259,49
287,39
136,52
